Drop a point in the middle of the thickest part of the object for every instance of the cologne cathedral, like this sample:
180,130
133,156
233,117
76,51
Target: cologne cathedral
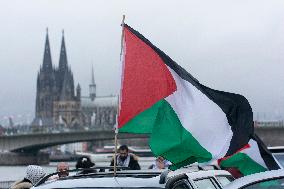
56,100
57,103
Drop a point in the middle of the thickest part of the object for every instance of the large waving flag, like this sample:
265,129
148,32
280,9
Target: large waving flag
187,121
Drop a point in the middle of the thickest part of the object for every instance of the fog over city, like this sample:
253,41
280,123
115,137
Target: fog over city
234,46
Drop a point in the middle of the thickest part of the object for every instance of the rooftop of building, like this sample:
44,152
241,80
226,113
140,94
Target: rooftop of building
99,101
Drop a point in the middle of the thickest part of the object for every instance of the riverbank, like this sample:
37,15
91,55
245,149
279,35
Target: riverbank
12,158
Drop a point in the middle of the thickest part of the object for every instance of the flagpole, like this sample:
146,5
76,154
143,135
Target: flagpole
115,138
116,126
115,147
121,42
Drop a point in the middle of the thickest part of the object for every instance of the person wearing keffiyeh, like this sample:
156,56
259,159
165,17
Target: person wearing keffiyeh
33,175
126,159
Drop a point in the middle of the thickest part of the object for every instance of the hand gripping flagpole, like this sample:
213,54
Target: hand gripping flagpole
118,103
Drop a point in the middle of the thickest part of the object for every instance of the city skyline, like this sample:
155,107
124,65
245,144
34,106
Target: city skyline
231,46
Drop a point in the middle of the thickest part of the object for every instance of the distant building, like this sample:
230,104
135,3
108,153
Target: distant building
11,122
55,96
56,102
99,112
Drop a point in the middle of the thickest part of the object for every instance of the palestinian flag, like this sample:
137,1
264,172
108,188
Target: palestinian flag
187,121
252,158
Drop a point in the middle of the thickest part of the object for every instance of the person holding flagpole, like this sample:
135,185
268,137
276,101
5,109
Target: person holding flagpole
126,159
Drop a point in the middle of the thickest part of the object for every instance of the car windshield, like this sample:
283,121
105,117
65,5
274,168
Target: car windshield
280,158
224,180
205,183
277,183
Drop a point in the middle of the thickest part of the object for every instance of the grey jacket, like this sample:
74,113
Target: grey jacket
21,185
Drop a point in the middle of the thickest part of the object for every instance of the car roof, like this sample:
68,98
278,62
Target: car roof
194,172
129,178
254,178
208,173
276,149
89,182
124,178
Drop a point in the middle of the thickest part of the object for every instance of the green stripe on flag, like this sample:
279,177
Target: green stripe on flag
144,122
243,163
168,137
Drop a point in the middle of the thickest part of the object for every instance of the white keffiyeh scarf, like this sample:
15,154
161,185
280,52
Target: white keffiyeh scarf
124,163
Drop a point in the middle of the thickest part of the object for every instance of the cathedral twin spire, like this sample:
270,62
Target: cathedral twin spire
54,85
59,79
63,56
47,63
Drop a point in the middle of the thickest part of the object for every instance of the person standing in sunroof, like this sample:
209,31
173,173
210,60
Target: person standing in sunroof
125,159
85,163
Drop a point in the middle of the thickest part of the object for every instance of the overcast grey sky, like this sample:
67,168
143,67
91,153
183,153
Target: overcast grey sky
235,46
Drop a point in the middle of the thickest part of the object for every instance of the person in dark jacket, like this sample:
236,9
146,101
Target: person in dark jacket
125,159
85,163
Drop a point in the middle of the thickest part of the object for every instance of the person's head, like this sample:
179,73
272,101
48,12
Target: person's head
123,152
84,162
160,159
62,169
34,173
160,162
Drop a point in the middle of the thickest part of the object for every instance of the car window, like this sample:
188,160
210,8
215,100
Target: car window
280,158
224,180
182,184
205,184
277,183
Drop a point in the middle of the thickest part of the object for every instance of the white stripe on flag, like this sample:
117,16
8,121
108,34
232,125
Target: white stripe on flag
254,153
199,115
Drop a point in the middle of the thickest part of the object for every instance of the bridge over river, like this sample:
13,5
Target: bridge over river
34,142
30,144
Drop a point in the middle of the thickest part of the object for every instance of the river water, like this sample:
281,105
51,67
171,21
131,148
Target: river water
13,173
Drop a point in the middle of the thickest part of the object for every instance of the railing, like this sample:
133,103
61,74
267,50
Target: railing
47,129
5,184
269,123
22,130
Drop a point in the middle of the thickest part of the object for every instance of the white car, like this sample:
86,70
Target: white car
200,179
103,180
278,154
265,180
189,177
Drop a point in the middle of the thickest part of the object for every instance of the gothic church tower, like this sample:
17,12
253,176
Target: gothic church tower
55,97
45,88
